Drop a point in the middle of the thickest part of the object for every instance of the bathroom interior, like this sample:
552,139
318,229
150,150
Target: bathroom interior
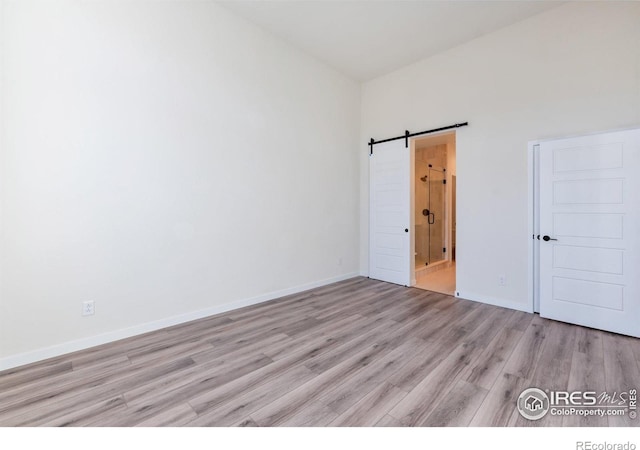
434,213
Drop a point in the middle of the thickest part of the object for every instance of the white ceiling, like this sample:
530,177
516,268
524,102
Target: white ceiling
366,39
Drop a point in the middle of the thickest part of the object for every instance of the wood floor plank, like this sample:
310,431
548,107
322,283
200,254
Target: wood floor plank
42,389
520,321
499,406
354,388
319,298
426,358
422,399
586,375
177,416
553,368
458,408
483,333
218,409
450,321
634,343
362,302
406,312
555,360
247,324
282,410
339,330
586,372
254,332
83,396
398,305
270,374
248,422
174,380
485,371
99,354
324,294
140,412
143,406
315,415
442,301
10,380
167,350
524,358
589,342
359,352
372,408
452,330
242,348
388,421
352,347
84,416
92,357
621,373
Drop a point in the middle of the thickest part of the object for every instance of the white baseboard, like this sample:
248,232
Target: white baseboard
518,306
92,341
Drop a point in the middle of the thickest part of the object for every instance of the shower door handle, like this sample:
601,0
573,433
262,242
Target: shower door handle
431,218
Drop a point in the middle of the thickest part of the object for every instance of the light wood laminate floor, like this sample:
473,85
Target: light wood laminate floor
355,353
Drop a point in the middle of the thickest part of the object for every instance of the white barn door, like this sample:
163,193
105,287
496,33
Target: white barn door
590,231
390,219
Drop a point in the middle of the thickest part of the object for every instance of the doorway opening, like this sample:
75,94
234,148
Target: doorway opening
434,163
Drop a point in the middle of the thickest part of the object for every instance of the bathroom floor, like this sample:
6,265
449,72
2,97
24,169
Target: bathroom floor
420,262
442,281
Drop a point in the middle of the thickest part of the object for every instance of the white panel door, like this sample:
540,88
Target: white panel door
590,231
389,224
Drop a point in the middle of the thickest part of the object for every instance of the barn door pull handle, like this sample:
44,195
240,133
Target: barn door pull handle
547,238
431,219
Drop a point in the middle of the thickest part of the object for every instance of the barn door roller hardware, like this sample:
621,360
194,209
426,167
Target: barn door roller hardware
408,135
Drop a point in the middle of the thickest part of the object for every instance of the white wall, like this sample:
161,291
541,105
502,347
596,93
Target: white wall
2,38
166,160
573,69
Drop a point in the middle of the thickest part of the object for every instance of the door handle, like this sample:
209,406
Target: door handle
431,218
547,238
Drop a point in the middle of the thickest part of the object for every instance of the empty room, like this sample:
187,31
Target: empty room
319,213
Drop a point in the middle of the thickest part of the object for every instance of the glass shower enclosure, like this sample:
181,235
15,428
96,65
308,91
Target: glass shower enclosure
429,215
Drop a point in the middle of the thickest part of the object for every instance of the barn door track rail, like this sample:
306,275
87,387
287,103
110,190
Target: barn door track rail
408,135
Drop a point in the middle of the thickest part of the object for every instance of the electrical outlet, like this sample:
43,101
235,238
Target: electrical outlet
502,280
340,261
88,308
